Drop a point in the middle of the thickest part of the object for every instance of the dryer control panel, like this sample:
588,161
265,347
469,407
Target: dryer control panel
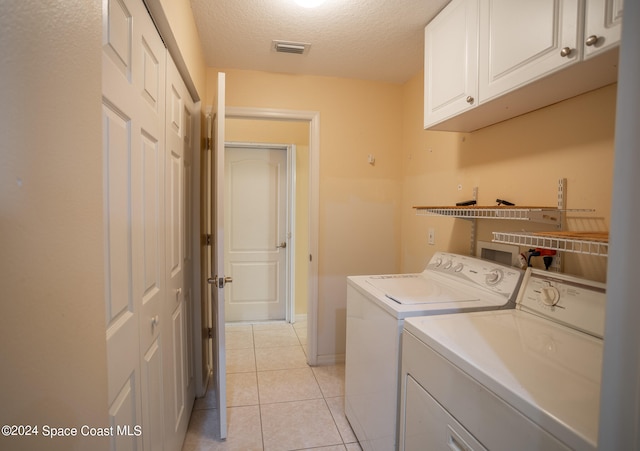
574,302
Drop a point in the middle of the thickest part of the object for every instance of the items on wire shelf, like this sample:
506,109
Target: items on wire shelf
589,243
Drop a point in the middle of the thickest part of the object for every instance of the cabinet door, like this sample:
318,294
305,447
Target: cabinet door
451,61
603,20
522,41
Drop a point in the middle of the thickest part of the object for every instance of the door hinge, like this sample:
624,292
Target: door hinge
207,239
210,332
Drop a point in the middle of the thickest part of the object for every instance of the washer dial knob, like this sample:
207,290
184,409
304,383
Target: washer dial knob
458,267
549,296
448,264
494,276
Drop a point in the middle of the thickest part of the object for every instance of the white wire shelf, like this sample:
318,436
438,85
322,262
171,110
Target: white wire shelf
567,243
543,215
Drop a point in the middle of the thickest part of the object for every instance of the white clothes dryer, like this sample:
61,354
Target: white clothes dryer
376,309
526,379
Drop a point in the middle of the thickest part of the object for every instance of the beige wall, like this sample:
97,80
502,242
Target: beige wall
53,351
286,132
519,160
359,226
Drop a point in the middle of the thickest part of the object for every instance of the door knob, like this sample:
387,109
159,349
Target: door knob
219,281
222,281
282,245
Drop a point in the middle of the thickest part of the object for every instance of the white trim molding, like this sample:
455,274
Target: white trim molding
313,117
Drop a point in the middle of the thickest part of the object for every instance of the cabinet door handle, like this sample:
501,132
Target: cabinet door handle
592,40
470,100
566,51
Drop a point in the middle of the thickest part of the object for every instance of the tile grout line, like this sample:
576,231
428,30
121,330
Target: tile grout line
324,398
255,358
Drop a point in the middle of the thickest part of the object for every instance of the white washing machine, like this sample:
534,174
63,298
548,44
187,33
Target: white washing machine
376,309
525,379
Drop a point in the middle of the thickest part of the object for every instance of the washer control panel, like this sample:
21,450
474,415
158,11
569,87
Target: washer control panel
565,299
476,273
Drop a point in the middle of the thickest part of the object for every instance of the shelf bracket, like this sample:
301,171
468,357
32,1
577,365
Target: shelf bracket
474,227
562,185
558,261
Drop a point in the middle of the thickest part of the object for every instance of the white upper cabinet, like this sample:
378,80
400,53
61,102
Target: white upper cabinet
522,40
603,20
487,61
451,61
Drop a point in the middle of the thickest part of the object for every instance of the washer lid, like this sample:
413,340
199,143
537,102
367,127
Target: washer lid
547,371
412,289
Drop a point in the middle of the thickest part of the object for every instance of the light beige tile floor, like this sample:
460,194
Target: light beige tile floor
275,401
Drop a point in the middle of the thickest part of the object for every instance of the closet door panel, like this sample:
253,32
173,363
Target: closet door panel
179,389
133,147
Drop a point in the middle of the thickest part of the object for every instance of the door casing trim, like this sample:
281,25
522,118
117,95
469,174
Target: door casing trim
313,118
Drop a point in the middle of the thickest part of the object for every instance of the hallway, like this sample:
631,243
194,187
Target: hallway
276,402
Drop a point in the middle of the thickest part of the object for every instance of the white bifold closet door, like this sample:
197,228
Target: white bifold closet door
146,203
179,382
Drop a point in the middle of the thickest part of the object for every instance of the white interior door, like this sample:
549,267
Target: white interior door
133,74
219,279
257,237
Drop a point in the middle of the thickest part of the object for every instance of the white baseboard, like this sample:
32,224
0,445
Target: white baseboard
330,359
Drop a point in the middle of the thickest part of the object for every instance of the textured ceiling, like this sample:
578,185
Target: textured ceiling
365,39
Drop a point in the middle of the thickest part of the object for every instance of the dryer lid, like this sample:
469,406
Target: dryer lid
547,371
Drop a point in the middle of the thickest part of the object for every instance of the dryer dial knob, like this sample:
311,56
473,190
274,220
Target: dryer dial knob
448,264
458,267
549,296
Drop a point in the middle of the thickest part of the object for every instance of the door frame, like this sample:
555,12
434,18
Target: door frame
313,118
290,214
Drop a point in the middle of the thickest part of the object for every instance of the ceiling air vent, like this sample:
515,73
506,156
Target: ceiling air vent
297,48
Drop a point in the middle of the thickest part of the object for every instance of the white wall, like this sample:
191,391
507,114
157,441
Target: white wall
52,324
